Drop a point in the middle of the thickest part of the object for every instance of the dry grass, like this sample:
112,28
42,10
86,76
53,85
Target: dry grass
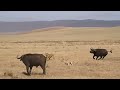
70,47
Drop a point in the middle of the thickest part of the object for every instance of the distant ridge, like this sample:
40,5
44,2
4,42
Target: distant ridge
29,26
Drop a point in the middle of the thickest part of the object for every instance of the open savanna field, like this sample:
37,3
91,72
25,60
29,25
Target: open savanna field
68,45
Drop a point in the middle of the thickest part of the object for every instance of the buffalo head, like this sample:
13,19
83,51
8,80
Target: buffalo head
92,50
49,56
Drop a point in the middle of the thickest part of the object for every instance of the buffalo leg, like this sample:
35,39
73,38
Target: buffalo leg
100,57
44,70
30,69
27,68
97,57
103,57
94,57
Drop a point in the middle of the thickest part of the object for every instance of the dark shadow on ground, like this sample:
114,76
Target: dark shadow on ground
25,73
32,73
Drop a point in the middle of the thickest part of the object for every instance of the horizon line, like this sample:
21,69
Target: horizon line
60,20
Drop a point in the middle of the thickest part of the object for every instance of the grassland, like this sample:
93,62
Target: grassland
68,44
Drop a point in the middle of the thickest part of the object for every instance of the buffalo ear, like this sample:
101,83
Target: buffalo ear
91,48
18,57
46,54
111,51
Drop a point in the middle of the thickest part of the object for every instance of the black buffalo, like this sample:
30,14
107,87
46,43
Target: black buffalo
99,53
31,60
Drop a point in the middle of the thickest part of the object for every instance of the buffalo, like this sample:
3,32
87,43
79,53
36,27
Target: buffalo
31,60
99,53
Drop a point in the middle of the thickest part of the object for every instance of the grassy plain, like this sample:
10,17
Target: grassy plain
69,45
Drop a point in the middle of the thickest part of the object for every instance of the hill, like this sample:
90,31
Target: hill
65,34
28,26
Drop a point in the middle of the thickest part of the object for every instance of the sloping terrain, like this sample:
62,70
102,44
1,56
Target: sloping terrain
28,26
66,34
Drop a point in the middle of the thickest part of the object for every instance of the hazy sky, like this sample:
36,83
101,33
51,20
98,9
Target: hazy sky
57,15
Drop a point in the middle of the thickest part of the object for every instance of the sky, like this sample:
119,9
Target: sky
20,16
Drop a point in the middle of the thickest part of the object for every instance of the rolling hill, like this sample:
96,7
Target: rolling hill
65,34
28,26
